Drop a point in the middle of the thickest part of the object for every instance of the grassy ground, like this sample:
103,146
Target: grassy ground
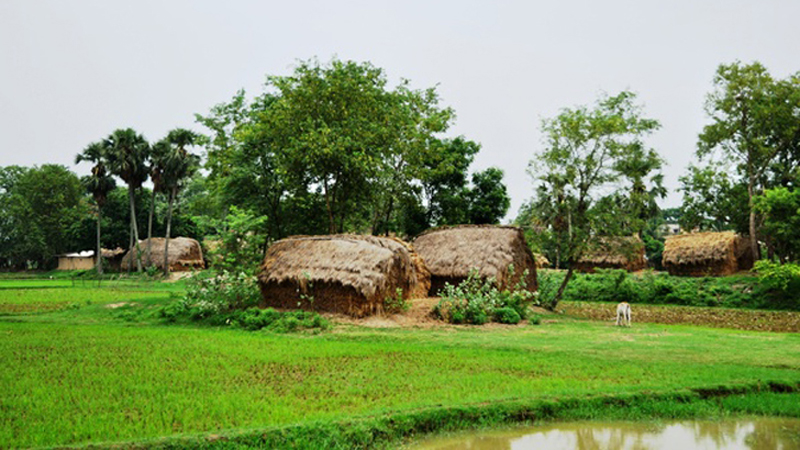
89,373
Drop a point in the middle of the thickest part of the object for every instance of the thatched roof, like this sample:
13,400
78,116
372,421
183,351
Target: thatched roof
372,267
108,253
184,254
699,248
541,261
453,252
704,254
616,251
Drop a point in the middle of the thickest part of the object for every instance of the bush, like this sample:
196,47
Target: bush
229,300
476,301
507,315
396,303
777,287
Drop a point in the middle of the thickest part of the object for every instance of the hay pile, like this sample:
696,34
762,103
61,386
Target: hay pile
340,273
614,252
541,261
184,254
451,252
707,254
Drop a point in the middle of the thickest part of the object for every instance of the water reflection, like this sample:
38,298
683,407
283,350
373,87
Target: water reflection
755,434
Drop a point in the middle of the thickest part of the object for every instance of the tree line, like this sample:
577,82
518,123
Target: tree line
333,148
595,175
329,149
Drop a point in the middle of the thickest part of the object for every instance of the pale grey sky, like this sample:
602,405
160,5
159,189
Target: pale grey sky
72,72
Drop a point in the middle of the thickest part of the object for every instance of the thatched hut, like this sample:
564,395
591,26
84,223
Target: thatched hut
350,274
184,254
614,252
707,254
114,257
450,253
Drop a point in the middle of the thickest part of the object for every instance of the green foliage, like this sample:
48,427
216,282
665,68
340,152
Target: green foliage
507,315
39,208
589,152
754,124
784,278
489,200
241,240
332,148
764,292
780,208
219,293
477,301
712,200
396,303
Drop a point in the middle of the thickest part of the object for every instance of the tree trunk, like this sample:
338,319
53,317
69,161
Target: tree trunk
99,249
166,236
560,293
329,207
753,236
389,214
150,229
135,230
130,248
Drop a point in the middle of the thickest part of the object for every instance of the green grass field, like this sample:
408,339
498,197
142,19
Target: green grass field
88,373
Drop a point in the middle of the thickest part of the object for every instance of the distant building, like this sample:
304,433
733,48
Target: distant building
669,229
76,261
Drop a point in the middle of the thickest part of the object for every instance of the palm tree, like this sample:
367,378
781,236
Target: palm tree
127,153
179,165
159,157
99,184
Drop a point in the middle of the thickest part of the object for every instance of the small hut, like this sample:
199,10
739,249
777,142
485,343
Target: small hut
350,274
614,252
707,254
76,261
113,257
450,253
184,254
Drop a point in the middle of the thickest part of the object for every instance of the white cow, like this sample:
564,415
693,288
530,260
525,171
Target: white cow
624,313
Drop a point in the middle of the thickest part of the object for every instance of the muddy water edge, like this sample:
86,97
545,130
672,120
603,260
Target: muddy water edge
762,433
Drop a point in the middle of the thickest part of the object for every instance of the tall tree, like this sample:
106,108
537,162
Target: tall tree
98,184
329,122
159,158
489,200
39,206
584,150
127,152
742,107
178,168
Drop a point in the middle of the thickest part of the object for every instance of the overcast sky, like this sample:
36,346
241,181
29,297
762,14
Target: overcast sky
72,72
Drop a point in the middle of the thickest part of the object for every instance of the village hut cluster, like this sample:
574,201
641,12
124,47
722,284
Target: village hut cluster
355,274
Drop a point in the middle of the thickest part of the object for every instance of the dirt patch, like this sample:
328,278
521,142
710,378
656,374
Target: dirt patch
119,305
419,316
741,319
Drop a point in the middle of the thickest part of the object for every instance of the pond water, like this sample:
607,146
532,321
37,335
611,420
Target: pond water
753,434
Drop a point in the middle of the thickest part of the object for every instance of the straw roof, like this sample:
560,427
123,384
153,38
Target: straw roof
345,273
108,253
184,254
709,253
541,261
622,252
452,252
